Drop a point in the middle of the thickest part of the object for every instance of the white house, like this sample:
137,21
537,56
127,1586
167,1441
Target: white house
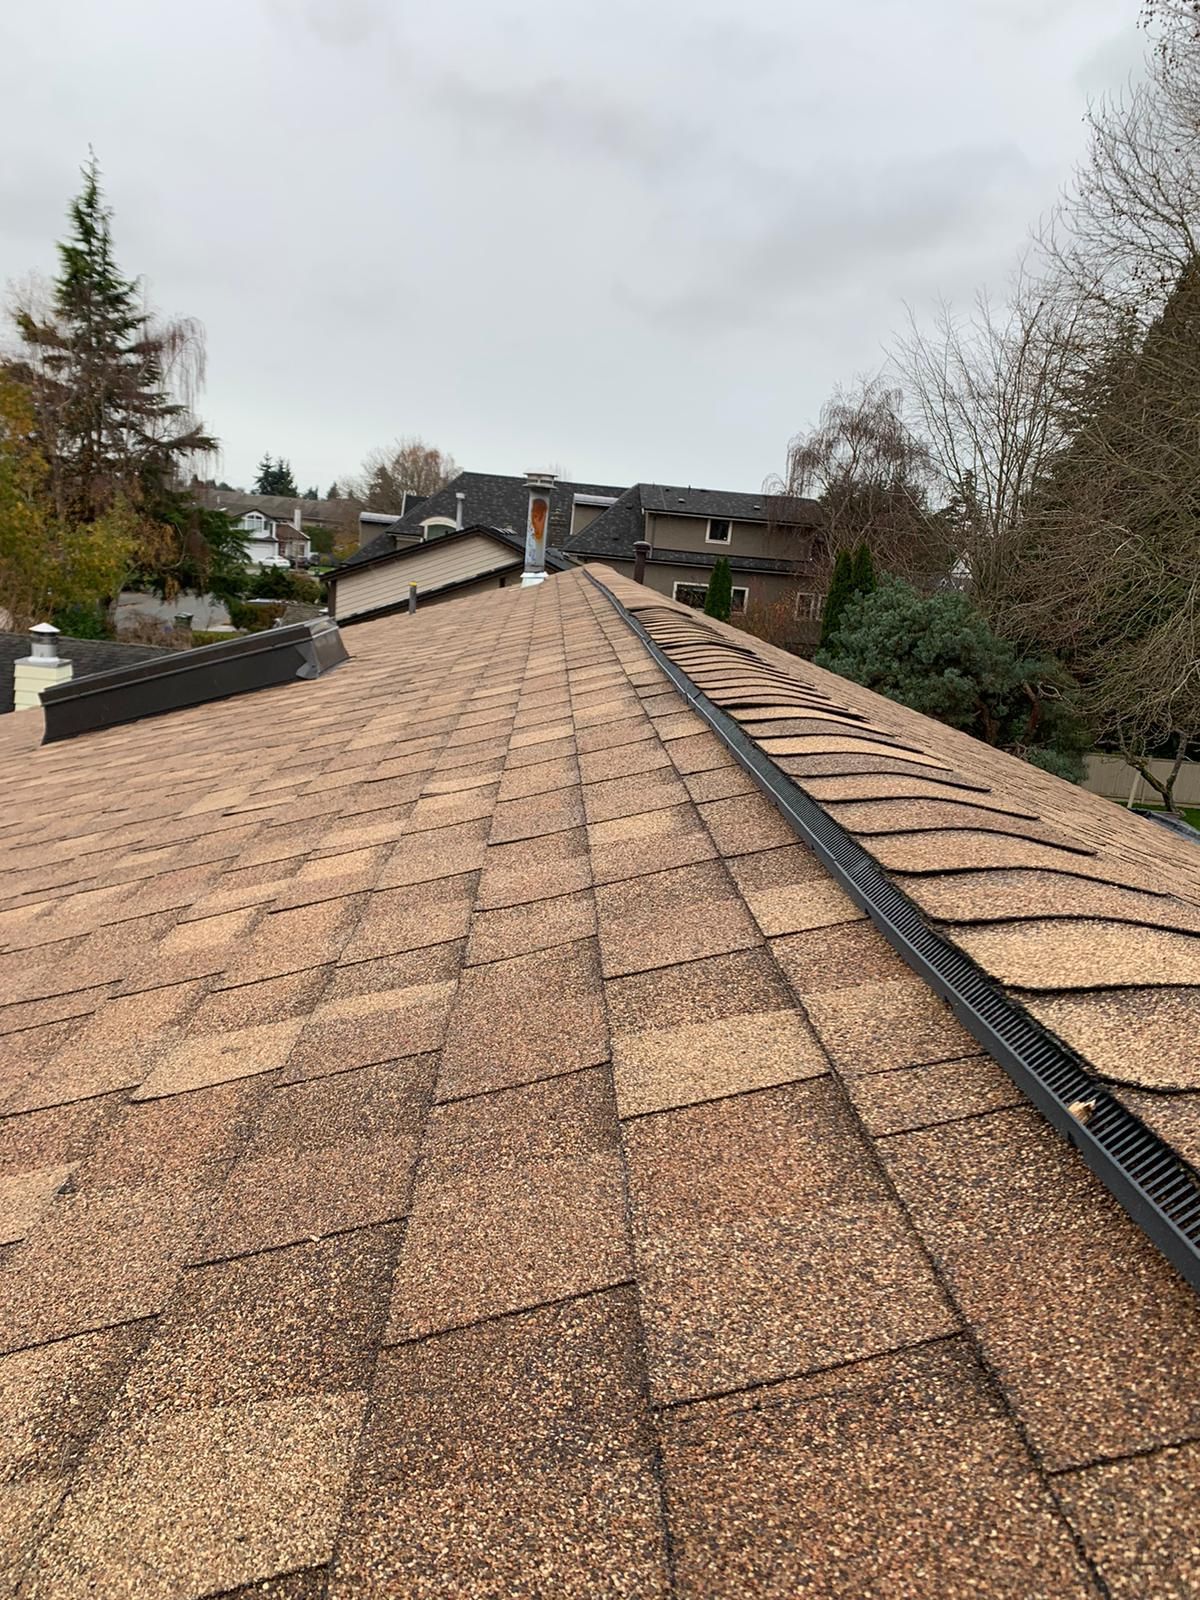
272,541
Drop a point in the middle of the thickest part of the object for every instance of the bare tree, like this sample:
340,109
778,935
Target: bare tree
988,391
407,464
872,476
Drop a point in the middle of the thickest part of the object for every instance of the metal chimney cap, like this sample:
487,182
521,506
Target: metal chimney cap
541,480
45,637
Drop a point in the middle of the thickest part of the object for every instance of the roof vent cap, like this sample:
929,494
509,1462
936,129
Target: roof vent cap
44,637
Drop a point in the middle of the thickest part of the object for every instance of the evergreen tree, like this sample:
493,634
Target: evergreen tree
264,483
938,655
100,373
841,592
863,571
333,493
720,591
285,484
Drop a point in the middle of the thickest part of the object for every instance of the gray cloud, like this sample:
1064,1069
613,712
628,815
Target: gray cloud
641,239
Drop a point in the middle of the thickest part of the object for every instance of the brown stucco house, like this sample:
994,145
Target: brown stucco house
571,1102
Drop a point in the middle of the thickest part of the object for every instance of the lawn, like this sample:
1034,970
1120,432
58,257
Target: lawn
1189,813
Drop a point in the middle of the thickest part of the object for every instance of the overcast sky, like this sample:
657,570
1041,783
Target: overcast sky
634,239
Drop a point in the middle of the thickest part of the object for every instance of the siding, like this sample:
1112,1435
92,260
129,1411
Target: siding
745,538
429,567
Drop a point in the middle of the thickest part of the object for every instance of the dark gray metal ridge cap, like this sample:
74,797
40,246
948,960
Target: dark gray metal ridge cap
1160,1192
192,677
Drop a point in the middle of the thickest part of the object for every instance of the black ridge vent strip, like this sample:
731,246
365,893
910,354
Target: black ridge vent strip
1158,1190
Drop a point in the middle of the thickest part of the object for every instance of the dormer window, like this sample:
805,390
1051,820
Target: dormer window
438,527
718,531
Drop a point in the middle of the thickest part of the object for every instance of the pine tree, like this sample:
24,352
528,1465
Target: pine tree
841,590
720,591
285,484
863,571
264,483
333,492
100,373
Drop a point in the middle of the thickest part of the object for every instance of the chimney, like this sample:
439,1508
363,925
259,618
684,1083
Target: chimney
38,670
459,498
641,549
537,526
297,521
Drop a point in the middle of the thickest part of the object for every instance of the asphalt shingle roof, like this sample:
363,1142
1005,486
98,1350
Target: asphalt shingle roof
490,499
455,1140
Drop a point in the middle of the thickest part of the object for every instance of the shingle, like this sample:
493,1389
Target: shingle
395,920
1056,954
378,1011
695,1061
514,1458
440,853
100,1258
788,890
203,1059
899,1022
1098,1358
535,817
327,1155
917,1097
767,1244
534,869
518,783
679,915
214,1347
1143,1037
54,1398
520,1201
839,957
537,925
628,847
197,1501
1137,1519
895,1476
627,796
507,1026
293,941
970,897
114,1049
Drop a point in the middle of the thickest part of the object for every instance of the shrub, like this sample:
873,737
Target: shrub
83,621
253,619
938,655
280,583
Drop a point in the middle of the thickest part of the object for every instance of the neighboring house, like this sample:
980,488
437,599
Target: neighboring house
456,561
87,657
473,502
271,540
772,544
462,1138
277,528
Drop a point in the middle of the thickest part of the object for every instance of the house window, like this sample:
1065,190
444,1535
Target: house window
438,527
808,606
695,594
718,531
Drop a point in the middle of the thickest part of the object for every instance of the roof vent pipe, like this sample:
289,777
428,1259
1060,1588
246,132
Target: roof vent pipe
641,549
459,498
537,526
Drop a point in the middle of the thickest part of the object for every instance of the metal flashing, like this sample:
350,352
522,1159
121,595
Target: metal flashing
192,677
